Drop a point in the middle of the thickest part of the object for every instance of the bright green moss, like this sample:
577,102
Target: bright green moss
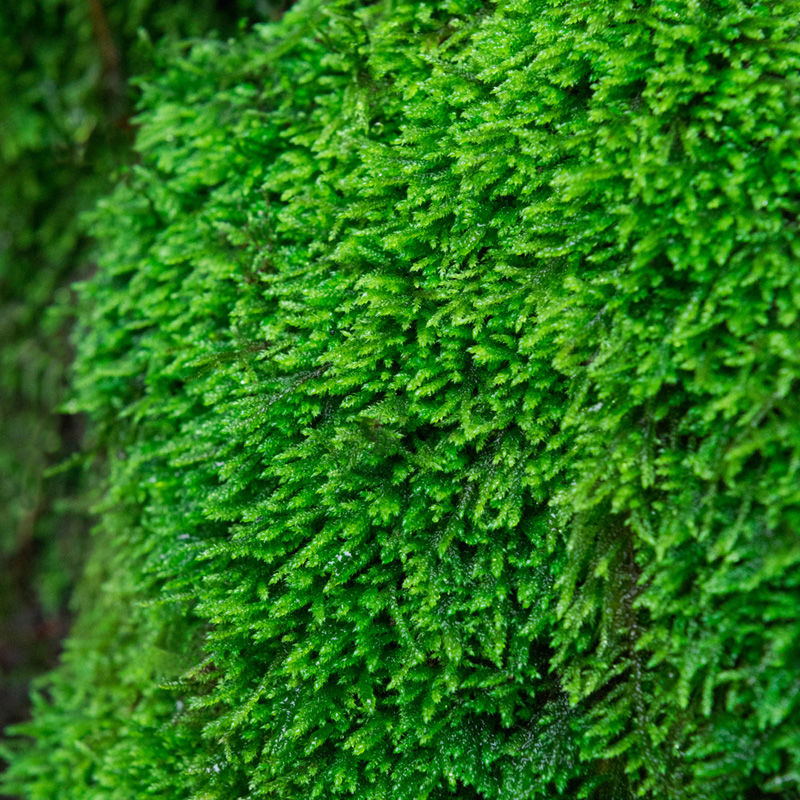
445,356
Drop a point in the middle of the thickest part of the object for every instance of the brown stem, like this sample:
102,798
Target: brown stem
109,54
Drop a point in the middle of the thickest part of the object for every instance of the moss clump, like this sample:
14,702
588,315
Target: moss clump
445,356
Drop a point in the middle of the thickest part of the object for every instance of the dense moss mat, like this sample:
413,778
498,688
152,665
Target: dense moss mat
445,359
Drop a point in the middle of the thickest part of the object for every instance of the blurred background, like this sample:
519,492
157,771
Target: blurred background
66,102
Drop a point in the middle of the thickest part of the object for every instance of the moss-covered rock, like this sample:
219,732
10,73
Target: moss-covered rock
445,357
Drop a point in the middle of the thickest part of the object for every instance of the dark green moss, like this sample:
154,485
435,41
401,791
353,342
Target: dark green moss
64,106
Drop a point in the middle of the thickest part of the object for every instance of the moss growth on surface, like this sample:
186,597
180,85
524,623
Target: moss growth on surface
444,356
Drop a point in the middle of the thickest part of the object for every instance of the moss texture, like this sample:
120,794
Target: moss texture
444,355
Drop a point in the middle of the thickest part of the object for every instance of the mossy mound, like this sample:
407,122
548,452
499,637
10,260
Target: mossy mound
445,357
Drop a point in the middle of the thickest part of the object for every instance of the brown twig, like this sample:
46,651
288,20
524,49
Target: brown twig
109,54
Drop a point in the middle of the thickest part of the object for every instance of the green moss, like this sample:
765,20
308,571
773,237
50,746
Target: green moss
445,359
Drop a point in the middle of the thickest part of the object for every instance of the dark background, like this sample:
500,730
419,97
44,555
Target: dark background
66,100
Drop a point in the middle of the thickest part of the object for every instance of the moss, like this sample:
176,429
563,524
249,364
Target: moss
444,358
